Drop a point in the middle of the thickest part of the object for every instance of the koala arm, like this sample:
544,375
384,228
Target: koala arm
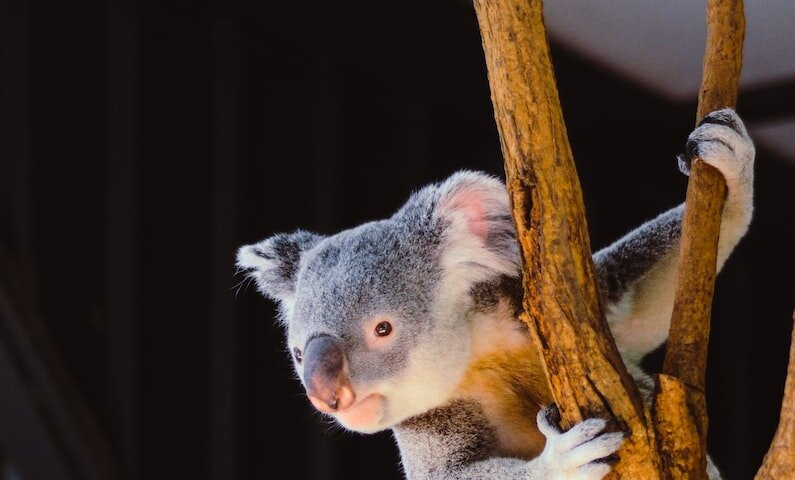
637,274
456,441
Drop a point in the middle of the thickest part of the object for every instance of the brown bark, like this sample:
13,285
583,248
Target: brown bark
723,57
684,456
562,308
779,463
679,441
687,345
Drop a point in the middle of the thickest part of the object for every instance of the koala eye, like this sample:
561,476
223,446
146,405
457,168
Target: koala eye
299,357
383,329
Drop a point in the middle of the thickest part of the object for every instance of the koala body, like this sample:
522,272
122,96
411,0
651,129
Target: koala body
411,323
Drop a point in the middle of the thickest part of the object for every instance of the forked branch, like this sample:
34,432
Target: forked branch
561,300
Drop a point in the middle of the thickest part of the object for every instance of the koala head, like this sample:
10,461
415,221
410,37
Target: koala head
377,316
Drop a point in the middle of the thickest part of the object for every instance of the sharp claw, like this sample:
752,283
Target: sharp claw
691,149
611,459
553,414
723,117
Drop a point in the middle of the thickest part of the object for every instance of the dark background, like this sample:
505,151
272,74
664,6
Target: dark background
143,141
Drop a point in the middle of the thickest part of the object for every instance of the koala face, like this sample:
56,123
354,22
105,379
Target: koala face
376,316
373,289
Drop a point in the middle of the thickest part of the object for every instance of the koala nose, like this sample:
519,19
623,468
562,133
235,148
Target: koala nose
327,383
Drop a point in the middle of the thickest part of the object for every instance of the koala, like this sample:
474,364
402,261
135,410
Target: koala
411,323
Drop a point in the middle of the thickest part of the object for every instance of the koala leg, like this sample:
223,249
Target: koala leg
637,274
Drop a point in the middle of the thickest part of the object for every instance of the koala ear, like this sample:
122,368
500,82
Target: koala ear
478,202
273,263
472,212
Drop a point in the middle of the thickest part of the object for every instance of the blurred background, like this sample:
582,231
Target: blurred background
143,141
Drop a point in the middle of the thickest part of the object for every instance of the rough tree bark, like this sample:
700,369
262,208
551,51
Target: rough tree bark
561,301
679,407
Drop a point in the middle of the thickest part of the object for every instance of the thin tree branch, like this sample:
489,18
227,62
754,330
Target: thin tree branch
687,344
684,456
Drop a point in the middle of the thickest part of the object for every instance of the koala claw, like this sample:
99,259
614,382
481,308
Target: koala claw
722,141
580,453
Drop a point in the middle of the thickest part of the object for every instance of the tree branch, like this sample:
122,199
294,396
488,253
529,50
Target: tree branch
687,344
561,302
684,456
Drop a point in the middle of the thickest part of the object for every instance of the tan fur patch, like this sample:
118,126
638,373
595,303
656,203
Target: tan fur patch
506,377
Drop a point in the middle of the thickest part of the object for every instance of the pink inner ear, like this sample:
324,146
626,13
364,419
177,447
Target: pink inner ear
470,204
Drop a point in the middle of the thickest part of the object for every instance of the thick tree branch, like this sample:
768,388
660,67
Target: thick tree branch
679,439
561,302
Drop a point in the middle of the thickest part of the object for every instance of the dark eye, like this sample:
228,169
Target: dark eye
298,355
383,329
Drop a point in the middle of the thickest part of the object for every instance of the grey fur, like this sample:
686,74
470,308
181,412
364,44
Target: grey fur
456,442
425,438
273,263
448,259
378,267
625,261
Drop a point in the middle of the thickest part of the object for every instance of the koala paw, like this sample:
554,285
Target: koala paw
722,141
582,453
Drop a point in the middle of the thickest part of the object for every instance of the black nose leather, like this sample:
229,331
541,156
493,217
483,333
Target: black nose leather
324,369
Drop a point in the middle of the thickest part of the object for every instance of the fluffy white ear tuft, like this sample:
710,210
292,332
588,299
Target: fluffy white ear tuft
274,262
480,235
476,199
